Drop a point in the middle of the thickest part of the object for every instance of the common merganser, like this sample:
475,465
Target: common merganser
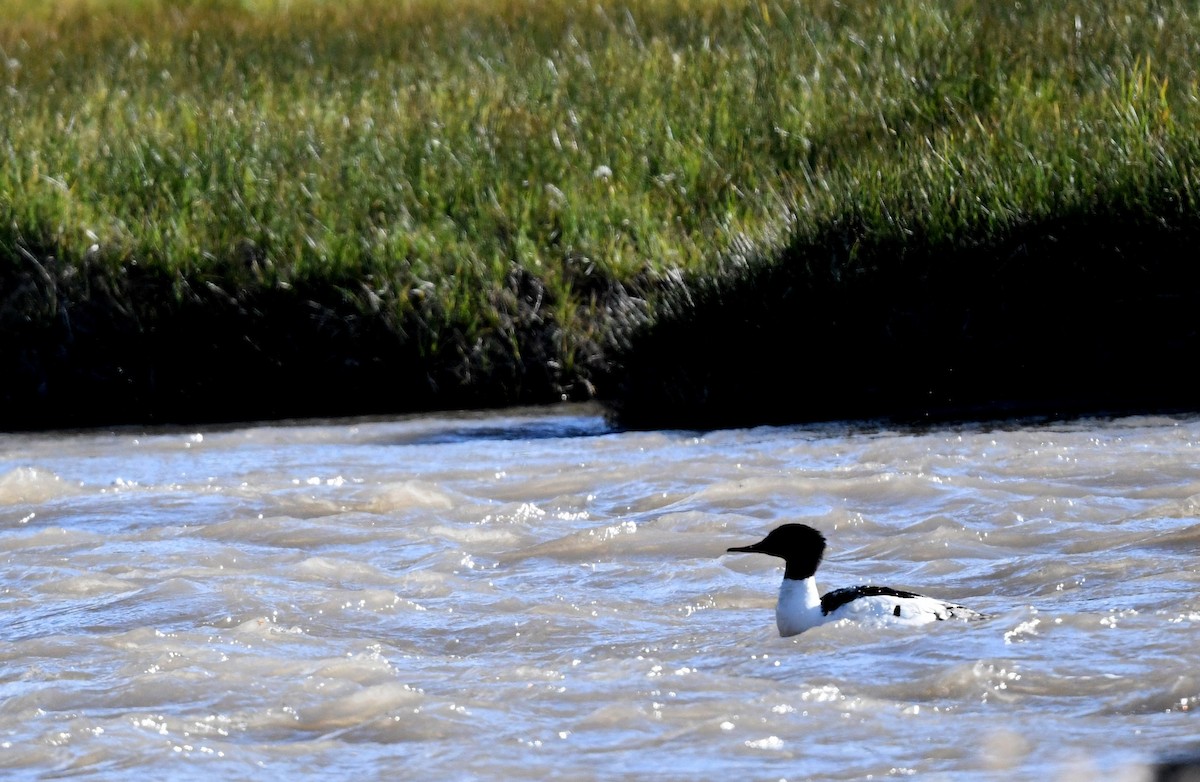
802,607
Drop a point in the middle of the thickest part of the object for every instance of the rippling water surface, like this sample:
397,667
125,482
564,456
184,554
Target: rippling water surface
529,595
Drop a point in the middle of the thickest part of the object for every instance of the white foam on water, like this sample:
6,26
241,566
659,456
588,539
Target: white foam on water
32,485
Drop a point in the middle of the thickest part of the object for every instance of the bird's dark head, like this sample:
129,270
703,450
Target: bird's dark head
798,545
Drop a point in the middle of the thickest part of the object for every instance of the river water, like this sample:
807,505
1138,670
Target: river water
531,595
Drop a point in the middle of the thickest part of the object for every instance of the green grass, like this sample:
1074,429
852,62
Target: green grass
503,192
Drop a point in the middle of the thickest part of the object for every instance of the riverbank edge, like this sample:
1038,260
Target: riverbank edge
1093,311
89,345
1090,313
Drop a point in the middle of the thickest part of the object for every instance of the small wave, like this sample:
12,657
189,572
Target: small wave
361,704
51,538
475,535
366,668
87,586
968,681
405,495
337,570
279,531
1156,693
33,485
341,602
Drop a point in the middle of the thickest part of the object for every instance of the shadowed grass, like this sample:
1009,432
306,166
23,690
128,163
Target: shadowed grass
381,206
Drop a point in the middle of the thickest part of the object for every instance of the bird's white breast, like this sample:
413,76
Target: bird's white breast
799,606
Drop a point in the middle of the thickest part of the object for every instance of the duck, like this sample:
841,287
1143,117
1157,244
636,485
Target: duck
801,607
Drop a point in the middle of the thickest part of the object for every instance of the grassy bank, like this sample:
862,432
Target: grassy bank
235,209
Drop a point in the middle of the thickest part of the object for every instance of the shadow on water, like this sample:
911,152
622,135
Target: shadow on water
532,429
511,425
